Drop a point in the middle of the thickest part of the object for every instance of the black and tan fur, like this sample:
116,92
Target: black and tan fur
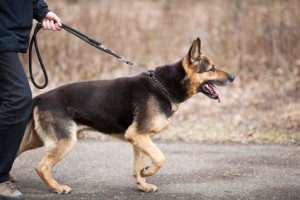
135,108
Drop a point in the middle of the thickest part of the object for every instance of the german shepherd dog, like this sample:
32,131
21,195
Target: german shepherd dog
135,108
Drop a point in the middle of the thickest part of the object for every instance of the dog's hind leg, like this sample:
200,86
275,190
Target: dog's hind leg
53,154
59,135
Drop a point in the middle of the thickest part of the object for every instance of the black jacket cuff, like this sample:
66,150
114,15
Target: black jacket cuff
40,10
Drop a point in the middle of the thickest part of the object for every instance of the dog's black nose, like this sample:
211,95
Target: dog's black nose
231,77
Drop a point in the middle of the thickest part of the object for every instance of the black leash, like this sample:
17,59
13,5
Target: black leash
90,41
85,38
78,34
34,41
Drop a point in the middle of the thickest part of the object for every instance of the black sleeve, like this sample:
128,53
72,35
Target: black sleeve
40,10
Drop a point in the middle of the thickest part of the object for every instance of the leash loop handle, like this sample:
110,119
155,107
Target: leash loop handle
34,41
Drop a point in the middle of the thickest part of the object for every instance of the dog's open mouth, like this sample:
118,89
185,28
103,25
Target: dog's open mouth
211,91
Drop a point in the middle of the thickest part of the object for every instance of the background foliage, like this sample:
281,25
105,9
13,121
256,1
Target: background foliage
256,40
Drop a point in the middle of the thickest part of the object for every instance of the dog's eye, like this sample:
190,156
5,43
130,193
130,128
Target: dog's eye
213,69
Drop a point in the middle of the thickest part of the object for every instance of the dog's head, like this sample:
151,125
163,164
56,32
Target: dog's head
202,74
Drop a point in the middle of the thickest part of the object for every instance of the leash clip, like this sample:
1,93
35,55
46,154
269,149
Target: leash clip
150,74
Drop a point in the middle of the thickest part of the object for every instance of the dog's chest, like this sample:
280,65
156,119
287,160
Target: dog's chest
159,123
158,115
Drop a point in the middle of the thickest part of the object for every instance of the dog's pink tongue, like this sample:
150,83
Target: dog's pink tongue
216,91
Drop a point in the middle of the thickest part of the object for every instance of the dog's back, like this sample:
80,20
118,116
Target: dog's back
108,106
94,103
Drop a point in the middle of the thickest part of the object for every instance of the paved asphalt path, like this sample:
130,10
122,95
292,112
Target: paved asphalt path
103,170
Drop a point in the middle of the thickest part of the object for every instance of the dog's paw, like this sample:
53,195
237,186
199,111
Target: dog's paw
60,189
145,187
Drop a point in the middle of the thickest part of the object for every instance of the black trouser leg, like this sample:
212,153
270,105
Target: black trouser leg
15,109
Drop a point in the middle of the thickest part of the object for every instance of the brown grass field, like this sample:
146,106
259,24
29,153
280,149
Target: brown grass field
258,41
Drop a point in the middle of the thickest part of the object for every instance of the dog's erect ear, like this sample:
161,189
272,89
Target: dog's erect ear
195,51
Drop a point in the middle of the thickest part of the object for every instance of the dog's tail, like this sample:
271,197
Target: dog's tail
30,140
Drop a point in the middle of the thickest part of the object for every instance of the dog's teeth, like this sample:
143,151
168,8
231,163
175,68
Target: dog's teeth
210,88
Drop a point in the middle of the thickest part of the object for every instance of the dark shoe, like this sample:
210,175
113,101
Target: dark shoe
8,191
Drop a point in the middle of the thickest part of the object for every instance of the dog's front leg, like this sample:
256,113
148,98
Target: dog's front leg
139,164
143,145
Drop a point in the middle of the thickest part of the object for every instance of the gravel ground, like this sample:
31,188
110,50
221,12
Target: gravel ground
103,170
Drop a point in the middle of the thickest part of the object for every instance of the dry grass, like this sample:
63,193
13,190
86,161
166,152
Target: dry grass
256,40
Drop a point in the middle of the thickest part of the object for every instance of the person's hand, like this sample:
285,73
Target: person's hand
51,22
